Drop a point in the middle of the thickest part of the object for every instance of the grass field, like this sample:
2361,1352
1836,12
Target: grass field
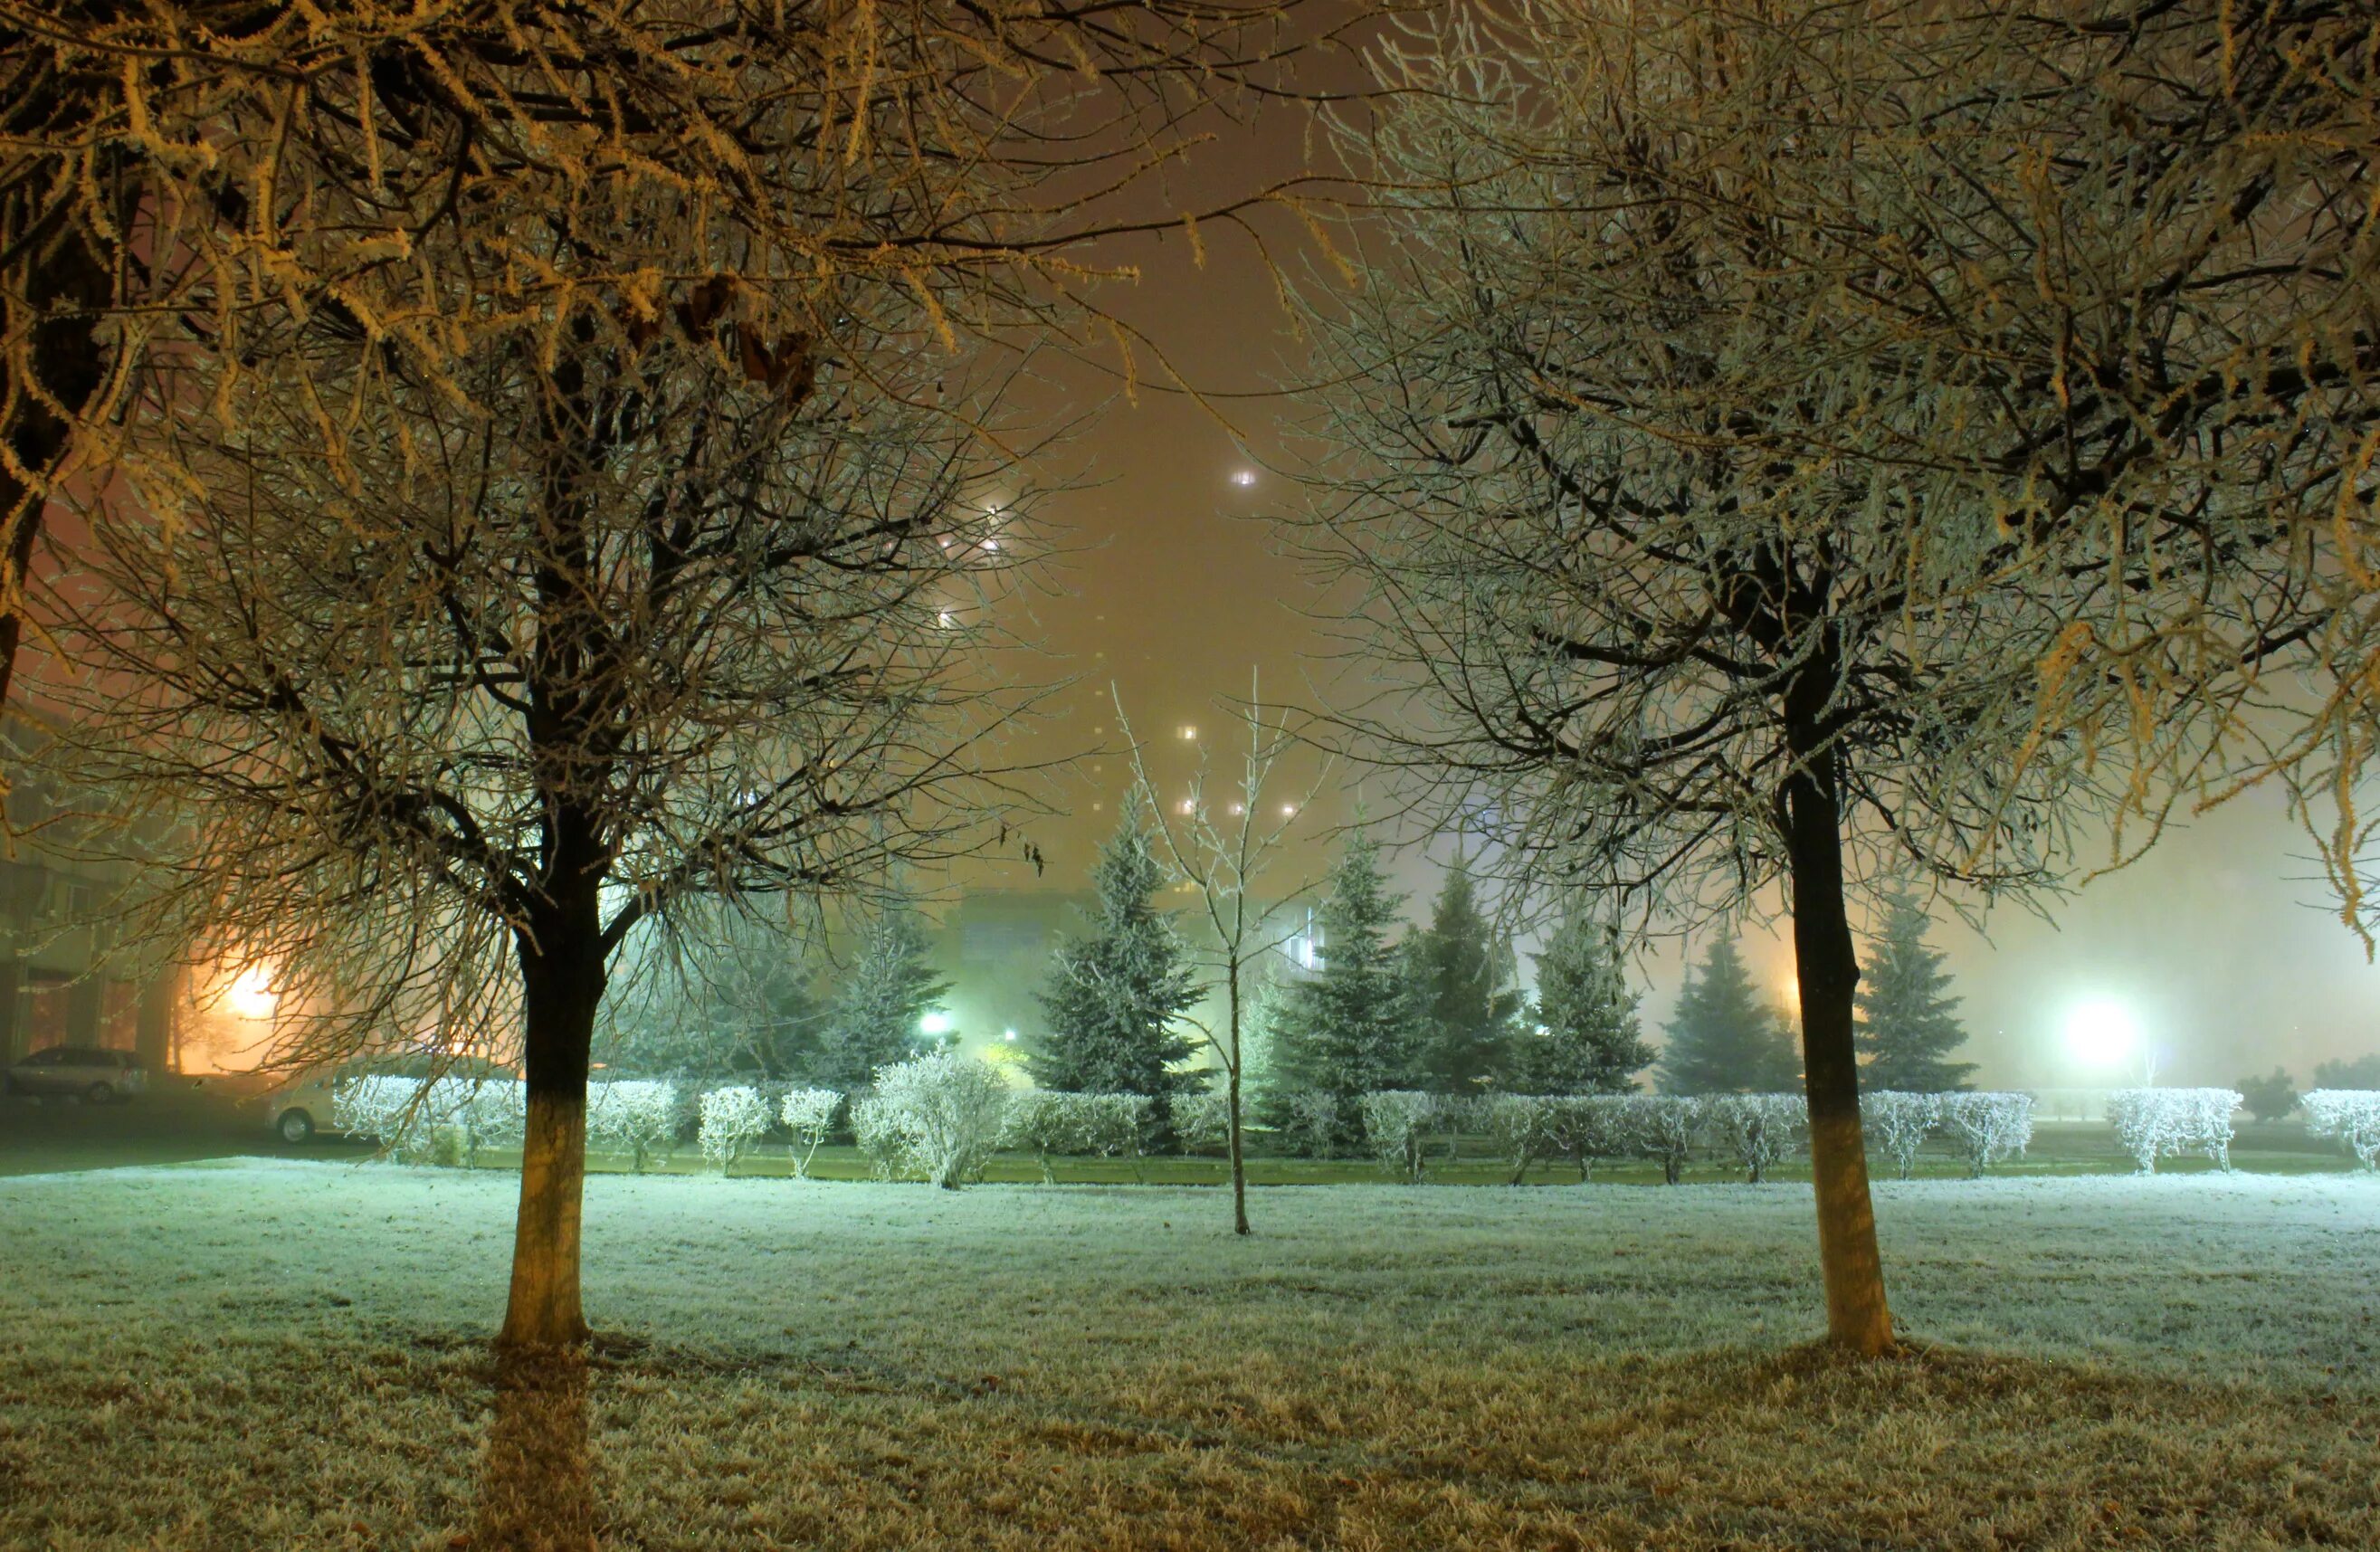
273,1354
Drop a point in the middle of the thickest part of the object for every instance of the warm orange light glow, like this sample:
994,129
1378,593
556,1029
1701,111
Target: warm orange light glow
251,996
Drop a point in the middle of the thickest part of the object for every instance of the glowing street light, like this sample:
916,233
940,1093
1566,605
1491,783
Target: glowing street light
935,1024
1243,478
2102,1033
1009,1035
250,995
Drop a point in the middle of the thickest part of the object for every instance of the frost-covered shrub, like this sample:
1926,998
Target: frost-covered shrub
2351,1115
446,1121
1584,1128
2154,1123
733,1120
1899,1123
375,1105
1113,1126
1759,1129
479,1112
878,1138
1517,1125
946,1109
1045,1124
1398,1123
1986,1128
635,1116
1202,1121
1666,1127
808,1115
1313,1124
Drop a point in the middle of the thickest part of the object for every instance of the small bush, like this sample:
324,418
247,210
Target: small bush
2154,1123
1585,1128
879,1138
733,1120
1313,1125
1759,1129
1986,1128
635,1116
1666,1128
946,1109
1899,1123
1113,1126
1202,1121
808,1115
2351,1115
1398,1123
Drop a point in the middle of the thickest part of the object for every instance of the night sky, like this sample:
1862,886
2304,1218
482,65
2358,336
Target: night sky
1173,587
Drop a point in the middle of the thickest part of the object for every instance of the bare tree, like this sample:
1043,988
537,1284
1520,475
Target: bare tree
206,176
1221,843
1634,609
619,634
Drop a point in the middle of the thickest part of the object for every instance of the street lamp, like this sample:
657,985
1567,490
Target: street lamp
2102,1033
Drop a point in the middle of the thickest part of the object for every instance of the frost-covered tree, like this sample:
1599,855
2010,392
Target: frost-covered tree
1223,842
887,987
627,634
1666,1128
1469,1005
214,178
1722,1039
1114,997
1352,1027
1908,1023
1587,1038
2152,1123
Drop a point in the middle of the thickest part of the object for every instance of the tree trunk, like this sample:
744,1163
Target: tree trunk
1857,1316
561,970
1232,1114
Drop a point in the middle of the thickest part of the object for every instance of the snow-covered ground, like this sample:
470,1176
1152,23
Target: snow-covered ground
1430,1366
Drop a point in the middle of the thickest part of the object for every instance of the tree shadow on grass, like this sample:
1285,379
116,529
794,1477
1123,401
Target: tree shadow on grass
537,1490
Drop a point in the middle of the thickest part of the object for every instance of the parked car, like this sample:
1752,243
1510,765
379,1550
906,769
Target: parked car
99,1076
300,1108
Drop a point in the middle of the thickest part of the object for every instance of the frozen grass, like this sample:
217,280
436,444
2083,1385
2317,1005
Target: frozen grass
255,1354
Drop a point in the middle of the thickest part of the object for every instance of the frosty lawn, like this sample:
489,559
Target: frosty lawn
255,1354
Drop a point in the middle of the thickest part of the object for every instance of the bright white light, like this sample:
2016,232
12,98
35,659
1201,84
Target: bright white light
251,994
1287,810
1186,732
1239,809
1243,478
945,619
1189,806
1009,1035
2102,1033
936,1022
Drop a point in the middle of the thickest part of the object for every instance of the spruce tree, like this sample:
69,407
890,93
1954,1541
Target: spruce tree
872,1020
1722,1040
1464,982
1114,997
1589,1041
1907,1026
1355,1026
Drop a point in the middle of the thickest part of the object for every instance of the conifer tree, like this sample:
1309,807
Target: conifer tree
1355,1026
1463,980
872,1020
1907,1026
1114,997
1722,1041
1589,1040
